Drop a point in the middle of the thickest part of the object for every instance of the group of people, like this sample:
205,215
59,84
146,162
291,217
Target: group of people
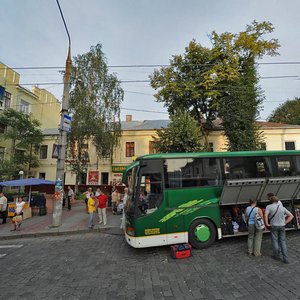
97,202
275,218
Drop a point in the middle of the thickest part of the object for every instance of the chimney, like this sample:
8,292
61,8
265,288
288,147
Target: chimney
128,118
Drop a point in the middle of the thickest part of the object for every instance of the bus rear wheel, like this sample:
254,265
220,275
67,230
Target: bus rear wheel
202,233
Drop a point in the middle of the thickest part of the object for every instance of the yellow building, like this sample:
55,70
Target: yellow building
137,139
42,104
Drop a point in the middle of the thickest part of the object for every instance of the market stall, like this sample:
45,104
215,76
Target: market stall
24,182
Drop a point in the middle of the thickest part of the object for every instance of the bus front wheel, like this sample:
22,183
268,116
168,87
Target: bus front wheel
202,233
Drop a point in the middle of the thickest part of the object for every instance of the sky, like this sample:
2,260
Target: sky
143,32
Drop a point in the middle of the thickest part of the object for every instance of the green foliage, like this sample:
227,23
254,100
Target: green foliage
95,100
26,136
8,170
288,113
185,85
220,81
182,135
242,97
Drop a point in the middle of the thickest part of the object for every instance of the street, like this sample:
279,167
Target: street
103,266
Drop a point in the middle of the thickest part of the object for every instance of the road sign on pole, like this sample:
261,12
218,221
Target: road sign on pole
66,123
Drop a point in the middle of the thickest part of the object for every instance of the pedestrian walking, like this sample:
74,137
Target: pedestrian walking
91,206
254,234
18,217
115,199
3,207
276,217
87,195
98,190
102,204
125,201
70,197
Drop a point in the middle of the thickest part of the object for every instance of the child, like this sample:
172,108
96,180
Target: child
91,207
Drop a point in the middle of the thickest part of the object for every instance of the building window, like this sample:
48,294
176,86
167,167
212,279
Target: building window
20,155
7,99
129,149
24,107
210,147
2,152
289,145
84,155
42,175
43,152
83,178
152,149
104,178
2,128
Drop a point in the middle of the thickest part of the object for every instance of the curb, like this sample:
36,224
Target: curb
103,230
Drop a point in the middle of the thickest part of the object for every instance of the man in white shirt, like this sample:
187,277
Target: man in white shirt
70,197
276,217
3,207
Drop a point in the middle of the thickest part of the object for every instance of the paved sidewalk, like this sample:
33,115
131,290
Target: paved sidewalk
73,221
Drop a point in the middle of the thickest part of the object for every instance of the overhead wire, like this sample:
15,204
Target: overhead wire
147,80
147,65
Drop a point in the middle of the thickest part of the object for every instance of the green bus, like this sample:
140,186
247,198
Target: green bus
201,197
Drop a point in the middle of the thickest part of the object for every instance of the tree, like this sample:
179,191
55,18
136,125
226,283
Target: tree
182,135
26,136
242,97
288,113
186,85
211,82
95,99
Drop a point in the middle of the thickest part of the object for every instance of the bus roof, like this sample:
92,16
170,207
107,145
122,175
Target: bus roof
218,154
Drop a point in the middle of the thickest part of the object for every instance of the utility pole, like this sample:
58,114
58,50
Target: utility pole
62,139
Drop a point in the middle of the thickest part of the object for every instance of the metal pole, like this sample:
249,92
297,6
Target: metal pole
62,146
62,139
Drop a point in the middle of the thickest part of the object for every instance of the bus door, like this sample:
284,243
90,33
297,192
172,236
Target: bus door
174,218
149,204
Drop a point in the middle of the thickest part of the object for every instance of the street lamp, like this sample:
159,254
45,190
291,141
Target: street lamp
21,175
62,139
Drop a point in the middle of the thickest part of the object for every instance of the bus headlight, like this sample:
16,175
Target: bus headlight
130,231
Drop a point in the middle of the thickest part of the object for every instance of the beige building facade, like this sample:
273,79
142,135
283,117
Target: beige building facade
137,139
39,102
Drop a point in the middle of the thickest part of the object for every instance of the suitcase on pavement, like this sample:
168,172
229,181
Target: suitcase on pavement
181,250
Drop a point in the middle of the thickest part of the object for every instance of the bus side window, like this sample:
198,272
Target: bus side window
284,167
150,193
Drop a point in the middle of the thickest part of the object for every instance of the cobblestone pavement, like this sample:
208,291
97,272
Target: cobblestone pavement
103,266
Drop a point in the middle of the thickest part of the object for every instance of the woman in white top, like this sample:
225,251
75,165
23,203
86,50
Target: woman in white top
18,214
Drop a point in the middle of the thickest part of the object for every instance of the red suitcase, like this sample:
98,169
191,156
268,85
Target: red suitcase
181,250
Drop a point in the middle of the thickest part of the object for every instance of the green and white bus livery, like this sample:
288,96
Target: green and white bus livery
194,197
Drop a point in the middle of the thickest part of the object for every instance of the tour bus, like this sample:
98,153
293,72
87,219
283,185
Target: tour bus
200,197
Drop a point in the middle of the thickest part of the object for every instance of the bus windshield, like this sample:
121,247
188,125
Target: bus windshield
130,182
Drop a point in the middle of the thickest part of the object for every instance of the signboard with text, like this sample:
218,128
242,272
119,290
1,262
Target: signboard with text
93,177
118,169
66,123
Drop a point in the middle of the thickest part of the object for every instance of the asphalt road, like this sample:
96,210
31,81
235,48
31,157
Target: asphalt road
101,266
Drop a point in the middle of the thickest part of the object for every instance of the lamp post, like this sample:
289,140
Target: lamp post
21,175
62,139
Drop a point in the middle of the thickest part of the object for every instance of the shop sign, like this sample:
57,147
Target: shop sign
93,177
118,169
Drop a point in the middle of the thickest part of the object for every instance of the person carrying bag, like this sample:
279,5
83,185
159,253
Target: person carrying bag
255,228
18,217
